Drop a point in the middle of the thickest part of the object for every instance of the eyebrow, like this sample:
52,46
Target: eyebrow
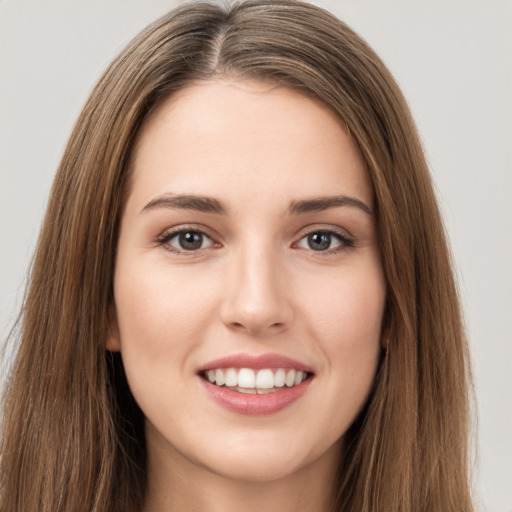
211,205
325,203
188,202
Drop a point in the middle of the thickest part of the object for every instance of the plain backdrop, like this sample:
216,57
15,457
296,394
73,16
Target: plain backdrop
453,60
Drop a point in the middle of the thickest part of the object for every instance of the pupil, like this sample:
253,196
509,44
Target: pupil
319,241
191,240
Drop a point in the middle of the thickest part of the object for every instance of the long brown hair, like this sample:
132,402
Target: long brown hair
73,437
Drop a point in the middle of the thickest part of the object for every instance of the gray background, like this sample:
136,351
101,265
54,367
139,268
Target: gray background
453,59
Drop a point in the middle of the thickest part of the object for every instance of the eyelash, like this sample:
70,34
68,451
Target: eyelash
345,241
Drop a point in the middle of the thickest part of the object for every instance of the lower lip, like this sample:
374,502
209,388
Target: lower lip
254,404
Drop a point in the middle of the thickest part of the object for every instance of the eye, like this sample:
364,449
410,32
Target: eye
186,240
325,241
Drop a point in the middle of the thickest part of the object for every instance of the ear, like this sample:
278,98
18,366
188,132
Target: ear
113,338
384,342
385,331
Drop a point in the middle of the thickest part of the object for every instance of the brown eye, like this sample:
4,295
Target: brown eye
186,240
190,241
319,241
325,241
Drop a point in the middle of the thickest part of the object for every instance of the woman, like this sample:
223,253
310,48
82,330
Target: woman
242,286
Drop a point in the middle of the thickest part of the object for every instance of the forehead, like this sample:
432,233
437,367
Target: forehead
222,137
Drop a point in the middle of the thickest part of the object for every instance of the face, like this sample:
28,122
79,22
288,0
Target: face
249,291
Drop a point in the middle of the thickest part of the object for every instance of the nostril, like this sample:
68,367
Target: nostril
252,327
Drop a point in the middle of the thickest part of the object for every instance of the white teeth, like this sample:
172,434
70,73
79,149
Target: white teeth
279,378
219,377
247,380
231,377
290,378
265,379
249,391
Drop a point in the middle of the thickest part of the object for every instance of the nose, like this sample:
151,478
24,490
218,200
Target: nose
256,299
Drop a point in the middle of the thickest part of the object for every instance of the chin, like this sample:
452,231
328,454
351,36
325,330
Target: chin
257,469
267,460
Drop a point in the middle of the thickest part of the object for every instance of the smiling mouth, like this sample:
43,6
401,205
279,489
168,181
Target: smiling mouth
261,382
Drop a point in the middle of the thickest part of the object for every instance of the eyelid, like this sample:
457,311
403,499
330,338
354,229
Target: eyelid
328,228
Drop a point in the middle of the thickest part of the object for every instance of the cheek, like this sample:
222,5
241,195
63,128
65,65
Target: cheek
345,319
161,316
151,298
347,311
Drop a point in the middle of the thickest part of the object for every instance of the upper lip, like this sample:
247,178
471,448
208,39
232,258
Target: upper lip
255,362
